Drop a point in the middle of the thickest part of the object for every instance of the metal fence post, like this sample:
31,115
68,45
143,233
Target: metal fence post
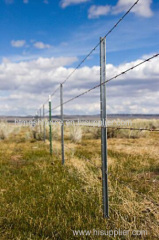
62,124
40,123
44,130
50,125
103,126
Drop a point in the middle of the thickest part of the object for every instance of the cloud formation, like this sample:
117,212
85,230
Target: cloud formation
41,45
143,9
31,82
18,43
97,11
66,3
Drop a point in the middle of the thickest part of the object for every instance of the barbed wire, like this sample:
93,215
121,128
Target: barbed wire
117,128
125,128
118,75
96,46
55,91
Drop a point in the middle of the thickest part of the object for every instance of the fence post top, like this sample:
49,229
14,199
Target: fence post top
49,98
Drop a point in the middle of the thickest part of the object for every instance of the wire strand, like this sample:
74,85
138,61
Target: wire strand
55,91
126,128
118,75
106,35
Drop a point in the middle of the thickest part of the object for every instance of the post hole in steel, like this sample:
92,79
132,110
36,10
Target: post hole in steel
50,125
62,125
44,130
103,126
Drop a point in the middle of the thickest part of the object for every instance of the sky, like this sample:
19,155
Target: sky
42,41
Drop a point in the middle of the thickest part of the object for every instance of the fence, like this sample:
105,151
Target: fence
103,113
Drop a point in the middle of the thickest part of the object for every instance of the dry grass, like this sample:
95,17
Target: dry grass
75,133
143,146
41,199
95,132
6,130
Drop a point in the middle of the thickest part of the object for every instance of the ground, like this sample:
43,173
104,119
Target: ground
41,199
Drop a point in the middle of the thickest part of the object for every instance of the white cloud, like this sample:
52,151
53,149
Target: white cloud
97,11
25,1
41,45
66,3
31,82
142,8
18,43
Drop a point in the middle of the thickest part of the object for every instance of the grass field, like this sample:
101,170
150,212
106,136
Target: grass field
41,199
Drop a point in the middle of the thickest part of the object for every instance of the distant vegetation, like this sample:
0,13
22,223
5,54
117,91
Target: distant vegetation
76,133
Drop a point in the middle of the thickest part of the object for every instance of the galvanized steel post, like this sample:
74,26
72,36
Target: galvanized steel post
40,124
103,126
44,130
50,125
62,125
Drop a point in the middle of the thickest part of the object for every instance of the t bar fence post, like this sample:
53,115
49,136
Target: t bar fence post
103,126
40,123
44,130
50,125
62,124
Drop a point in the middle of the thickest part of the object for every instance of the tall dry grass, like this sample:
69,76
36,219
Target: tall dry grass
75,133
70,197
7,130
95,132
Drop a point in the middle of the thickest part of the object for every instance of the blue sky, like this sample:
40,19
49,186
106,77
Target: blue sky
70,32
69,29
